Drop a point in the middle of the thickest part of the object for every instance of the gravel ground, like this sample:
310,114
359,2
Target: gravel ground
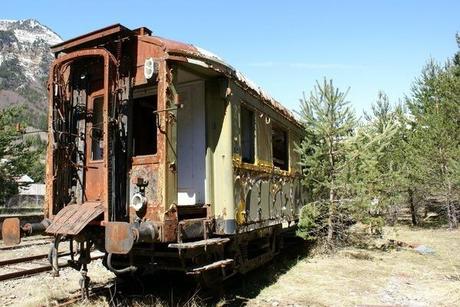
27,250
43,289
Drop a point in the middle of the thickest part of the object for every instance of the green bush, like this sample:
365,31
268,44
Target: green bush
309,225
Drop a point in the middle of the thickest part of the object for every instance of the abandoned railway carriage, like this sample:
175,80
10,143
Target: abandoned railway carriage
164,157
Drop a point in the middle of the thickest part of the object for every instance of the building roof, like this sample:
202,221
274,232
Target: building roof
24,179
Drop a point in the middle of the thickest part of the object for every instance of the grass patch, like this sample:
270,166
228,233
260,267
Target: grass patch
355,276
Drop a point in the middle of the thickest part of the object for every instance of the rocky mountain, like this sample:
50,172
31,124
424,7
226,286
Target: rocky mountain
25,57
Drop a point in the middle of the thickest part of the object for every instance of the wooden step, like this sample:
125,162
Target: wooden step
197,244
211,266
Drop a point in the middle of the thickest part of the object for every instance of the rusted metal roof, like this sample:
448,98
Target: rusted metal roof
187,52
203,57
70,44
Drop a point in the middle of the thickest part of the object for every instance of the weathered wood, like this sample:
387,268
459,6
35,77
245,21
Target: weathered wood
201,243
207,267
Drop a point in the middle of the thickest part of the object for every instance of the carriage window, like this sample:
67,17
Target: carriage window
97,141
280,148
144,126
247,135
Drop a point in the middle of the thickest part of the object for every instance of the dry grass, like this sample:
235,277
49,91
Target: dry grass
365,277
351,277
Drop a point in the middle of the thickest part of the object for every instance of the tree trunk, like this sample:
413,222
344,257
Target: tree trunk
413,211
451,212
330,218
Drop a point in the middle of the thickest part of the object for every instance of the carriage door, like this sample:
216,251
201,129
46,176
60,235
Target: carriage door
191,144
94,165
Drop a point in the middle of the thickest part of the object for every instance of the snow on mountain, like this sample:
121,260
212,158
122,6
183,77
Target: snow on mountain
29,42
30,30
25,57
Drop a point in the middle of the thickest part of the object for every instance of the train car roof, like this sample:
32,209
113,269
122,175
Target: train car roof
179,51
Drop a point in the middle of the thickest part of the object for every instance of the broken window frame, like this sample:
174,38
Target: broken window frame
97,141
286,156
252,141
139,93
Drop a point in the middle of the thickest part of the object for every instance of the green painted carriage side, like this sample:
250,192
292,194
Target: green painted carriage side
246,196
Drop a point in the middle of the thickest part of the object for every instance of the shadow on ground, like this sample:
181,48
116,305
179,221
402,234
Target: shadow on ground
174,289
243,288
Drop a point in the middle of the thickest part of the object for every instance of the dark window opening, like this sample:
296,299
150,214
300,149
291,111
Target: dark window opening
144,126
97,129
280,148
247,135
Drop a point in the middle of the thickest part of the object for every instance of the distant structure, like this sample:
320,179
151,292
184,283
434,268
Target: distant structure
28,187
30,197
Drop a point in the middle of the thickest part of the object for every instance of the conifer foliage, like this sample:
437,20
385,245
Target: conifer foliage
19,155
329,123
397,159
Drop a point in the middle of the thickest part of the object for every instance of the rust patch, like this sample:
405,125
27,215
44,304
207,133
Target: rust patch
170,221
119,237
73,218
146,173
11,232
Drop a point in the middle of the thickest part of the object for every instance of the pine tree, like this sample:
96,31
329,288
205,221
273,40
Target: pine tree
435,105
346,165
384,130
17,157
329,122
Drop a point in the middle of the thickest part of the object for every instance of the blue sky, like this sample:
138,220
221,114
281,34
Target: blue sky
283,46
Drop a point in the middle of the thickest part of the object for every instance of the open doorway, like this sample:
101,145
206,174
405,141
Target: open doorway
191,144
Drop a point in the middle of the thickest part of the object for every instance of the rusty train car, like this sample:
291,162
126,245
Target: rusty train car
164,157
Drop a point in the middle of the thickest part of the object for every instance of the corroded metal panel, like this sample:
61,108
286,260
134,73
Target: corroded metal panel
170,164
119,237
223,181
11,232
73,218
59,155
148,173
170,224
147,49
92,36
94,169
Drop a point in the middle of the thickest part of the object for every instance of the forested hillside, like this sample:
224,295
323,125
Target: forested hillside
25,57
